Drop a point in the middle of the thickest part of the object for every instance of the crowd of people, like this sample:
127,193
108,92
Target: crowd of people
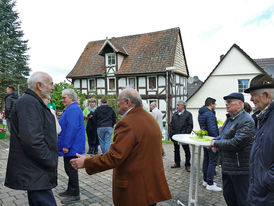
243,145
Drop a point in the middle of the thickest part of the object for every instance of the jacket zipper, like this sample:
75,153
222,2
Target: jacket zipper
237,155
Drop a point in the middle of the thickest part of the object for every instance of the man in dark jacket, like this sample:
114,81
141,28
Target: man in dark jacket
105,118
208,122
181,123
33,155
234,143
10,99
261,172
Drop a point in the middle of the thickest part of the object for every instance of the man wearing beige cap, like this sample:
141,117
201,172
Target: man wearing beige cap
261,171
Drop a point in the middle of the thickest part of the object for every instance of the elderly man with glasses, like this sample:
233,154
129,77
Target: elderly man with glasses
234,143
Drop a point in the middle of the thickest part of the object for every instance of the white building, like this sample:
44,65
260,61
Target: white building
232,74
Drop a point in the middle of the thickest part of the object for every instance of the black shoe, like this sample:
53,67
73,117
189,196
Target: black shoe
64,194
70,199
175,166
90,151
188,169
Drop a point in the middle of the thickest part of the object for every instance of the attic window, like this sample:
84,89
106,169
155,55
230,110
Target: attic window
242,85
110,59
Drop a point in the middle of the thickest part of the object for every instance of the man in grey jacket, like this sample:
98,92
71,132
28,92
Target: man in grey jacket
234,144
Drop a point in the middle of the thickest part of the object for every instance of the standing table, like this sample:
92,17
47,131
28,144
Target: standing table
185,139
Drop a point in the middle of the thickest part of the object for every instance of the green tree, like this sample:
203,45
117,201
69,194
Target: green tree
13,59
56,94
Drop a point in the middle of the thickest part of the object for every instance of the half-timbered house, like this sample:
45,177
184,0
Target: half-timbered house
147,62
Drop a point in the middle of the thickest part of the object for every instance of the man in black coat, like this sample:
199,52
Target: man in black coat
10,99
181,123
33,154
234,144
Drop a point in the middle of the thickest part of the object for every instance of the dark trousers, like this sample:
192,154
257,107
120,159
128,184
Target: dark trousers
177,158
235,189
73,182
41,198
209,165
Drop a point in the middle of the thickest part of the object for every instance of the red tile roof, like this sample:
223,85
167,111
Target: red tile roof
147,53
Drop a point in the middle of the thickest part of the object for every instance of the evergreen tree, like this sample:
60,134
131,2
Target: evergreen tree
13,58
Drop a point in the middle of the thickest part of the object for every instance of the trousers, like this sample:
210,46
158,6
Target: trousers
177,158
235,188
73,182
41,197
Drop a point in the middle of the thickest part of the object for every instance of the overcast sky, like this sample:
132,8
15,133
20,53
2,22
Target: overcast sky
59,30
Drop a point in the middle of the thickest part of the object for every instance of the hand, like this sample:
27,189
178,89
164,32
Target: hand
78,163
212,143
65,150
214,149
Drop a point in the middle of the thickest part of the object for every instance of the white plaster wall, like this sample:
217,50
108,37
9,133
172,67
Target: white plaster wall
142,91
101,82
142,81
161,81
84,83
120,60
162,105
77,83
122,82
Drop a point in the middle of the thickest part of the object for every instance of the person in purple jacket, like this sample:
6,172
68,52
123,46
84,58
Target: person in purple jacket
71,140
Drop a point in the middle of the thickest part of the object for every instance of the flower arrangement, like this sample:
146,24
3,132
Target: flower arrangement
201,133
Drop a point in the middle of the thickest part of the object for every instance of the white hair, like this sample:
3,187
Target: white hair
153,104
36,77
261,91
70,93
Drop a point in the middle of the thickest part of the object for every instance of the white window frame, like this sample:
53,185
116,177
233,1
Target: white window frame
110,55
135,86
242,87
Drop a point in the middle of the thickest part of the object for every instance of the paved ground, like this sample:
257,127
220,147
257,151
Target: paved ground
96,189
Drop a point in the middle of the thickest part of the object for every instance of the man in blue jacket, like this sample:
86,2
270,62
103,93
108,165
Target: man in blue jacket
261,172
208,122
235,143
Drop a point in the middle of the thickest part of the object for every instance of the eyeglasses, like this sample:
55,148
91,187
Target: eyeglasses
230,101
119,100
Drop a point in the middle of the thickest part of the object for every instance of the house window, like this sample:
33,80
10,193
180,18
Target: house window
92,85
131,82
111,84
152,82
110,59
242,85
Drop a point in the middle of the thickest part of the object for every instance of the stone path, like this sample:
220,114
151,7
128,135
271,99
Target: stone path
96,190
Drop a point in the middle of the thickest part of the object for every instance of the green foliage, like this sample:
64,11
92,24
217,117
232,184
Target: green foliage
56,94
13,59
220,123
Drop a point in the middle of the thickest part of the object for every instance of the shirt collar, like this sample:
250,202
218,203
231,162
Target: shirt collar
127,112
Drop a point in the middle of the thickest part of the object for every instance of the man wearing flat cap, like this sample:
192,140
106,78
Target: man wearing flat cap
234,143
261,171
